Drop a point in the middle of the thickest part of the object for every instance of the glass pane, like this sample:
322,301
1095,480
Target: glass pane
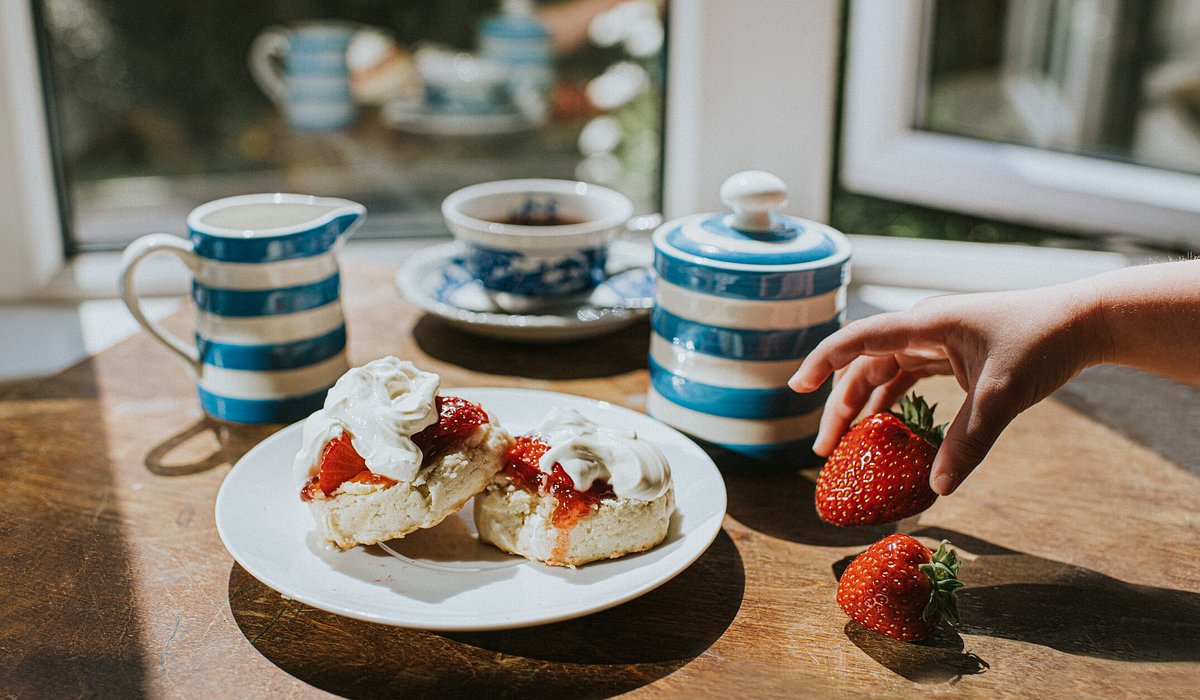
161,106
1111,78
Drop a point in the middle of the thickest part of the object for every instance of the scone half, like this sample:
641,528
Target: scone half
521,521
367,512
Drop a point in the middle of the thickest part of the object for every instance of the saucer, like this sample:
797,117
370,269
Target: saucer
434,280
416,119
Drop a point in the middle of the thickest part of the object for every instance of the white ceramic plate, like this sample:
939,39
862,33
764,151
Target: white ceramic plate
442,578
415,119
434,281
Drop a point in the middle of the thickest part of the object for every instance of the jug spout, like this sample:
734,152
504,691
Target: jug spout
346,218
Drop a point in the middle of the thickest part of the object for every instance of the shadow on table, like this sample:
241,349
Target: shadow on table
204,445
1012,595
71,615
601,655
616,353
776,499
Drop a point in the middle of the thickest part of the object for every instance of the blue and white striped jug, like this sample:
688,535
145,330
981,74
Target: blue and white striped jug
740,299
270,337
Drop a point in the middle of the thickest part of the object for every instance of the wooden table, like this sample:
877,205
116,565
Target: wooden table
1083,575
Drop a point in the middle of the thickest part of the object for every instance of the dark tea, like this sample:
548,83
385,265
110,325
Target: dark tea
539,220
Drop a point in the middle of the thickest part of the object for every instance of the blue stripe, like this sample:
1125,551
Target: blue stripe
266,302
757,286
734,403
285,410
738,344
300,353
506,28
790,248
786,454
338,95
302,244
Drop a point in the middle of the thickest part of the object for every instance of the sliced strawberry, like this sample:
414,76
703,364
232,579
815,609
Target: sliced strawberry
339,462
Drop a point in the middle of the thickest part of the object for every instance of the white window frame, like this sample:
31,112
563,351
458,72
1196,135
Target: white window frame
884,155
31,241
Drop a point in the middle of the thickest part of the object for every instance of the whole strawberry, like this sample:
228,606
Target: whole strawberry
899,589
879,471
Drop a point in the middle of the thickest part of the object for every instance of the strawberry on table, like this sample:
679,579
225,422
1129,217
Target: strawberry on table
879,471
900,589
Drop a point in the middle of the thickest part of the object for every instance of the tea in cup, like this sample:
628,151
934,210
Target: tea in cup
536,242
270,338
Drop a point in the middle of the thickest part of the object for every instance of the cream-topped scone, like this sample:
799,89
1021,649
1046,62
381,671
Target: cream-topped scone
575,492
387,455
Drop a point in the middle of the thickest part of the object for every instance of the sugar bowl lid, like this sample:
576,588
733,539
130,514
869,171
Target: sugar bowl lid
753,234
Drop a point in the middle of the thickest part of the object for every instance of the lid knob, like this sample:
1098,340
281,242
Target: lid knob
753,195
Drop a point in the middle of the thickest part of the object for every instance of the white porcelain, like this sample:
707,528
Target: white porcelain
442,579
740,299
302,69
457,82
540,262
269,335
433,280
404,115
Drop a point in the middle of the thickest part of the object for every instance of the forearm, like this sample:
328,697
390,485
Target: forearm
1149,317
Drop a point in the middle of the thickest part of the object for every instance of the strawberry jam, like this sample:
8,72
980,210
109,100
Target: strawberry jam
521,465
457,419
340,462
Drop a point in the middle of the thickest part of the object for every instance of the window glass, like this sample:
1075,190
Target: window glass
1110,78
159,106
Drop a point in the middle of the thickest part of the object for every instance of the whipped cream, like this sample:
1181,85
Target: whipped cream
382,405
588,452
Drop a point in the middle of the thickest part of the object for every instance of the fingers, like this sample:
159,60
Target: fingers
884,334
849,395
886,395
984,415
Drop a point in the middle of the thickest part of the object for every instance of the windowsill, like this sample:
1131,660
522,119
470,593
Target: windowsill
80,312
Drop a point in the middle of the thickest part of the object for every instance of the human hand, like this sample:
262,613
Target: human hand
1008,350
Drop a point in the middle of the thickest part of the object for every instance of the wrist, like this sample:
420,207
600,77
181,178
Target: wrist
1092,325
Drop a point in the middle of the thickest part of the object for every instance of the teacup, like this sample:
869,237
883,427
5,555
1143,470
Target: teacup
536,242
303,70
462,84
270,338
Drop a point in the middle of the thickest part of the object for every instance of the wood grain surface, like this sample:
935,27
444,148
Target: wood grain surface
1082,576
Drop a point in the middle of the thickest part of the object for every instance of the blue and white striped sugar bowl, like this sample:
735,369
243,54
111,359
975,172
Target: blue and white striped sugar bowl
740,299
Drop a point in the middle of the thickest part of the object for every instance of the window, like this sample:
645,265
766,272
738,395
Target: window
158,107
1070,114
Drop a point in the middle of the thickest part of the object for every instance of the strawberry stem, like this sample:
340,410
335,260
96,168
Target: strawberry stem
943,574
918,416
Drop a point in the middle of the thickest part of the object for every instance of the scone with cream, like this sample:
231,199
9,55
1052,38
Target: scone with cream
575,492
387,455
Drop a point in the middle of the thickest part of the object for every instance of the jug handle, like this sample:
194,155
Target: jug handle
133,256
265,52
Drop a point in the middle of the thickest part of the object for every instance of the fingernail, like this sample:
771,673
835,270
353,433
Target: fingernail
943,484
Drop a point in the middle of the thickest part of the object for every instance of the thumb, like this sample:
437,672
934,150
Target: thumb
971,435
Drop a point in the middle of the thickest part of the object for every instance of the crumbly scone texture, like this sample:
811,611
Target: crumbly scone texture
520,522
368,513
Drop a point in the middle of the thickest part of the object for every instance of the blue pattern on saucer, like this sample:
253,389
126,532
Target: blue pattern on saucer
515,273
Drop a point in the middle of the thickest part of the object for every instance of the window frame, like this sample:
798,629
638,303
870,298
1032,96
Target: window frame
883,154
31,232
